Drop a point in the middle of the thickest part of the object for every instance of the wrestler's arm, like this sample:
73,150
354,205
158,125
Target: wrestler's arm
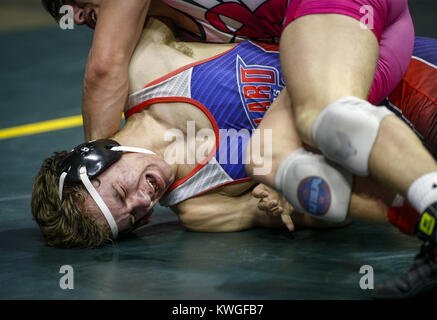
105,85
218,212
222,213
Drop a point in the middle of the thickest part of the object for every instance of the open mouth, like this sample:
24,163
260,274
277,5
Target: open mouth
153,183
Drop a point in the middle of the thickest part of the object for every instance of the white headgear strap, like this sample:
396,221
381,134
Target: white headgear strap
93,192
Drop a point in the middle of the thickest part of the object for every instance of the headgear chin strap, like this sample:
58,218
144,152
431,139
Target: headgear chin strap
87,161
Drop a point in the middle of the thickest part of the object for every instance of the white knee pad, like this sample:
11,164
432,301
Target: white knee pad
313,186
345,132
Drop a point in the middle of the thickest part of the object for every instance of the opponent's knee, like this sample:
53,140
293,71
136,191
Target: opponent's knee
313,186
346,130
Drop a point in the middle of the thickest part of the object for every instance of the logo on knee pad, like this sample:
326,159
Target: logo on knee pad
314,195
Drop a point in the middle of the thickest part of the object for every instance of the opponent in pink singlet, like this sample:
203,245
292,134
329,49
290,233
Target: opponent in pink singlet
264,20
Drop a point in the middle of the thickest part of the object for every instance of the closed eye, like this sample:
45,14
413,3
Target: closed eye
119,194
124,195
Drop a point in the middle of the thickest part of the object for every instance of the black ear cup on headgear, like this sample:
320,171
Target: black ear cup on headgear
95,155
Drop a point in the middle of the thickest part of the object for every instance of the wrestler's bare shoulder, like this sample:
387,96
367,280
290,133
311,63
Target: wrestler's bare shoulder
158,53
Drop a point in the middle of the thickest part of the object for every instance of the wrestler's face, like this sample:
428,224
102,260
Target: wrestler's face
85,11
130,188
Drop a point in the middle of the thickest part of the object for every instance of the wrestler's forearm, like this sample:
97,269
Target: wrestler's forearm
105,89
221,213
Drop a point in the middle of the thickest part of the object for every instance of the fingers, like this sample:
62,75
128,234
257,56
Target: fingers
260,191
277,211
268,205
286,219
272,209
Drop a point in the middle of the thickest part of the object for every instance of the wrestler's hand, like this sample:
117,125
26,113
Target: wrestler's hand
274,204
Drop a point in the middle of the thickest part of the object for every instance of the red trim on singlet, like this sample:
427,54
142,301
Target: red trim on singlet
266,47
197,104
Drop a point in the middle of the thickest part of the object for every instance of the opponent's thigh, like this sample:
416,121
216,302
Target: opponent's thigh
275,137
323,58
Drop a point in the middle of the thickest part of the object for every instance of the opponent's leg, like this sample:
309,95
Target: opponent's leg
367,201
416,97
327,68
323,63
328,57
276,136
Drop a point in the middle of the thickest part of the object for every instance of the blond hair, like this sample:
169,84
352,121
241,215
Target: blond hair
66,223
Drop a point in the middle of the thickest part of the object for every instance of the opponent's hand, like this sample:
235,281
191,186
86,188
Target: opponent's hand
274,204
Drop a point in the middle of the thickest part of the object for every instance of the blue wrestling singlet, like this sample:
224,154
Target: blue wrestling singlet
234,90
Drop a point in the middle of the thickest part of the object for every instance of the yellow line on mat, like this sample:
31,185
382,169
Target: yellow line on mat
39,127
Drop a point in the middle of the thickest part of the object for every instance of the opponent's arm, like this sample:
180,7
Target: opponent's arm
105,87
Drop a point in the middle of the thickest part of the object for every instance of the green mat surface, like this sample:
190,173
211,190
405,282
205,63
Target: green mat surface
41,75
